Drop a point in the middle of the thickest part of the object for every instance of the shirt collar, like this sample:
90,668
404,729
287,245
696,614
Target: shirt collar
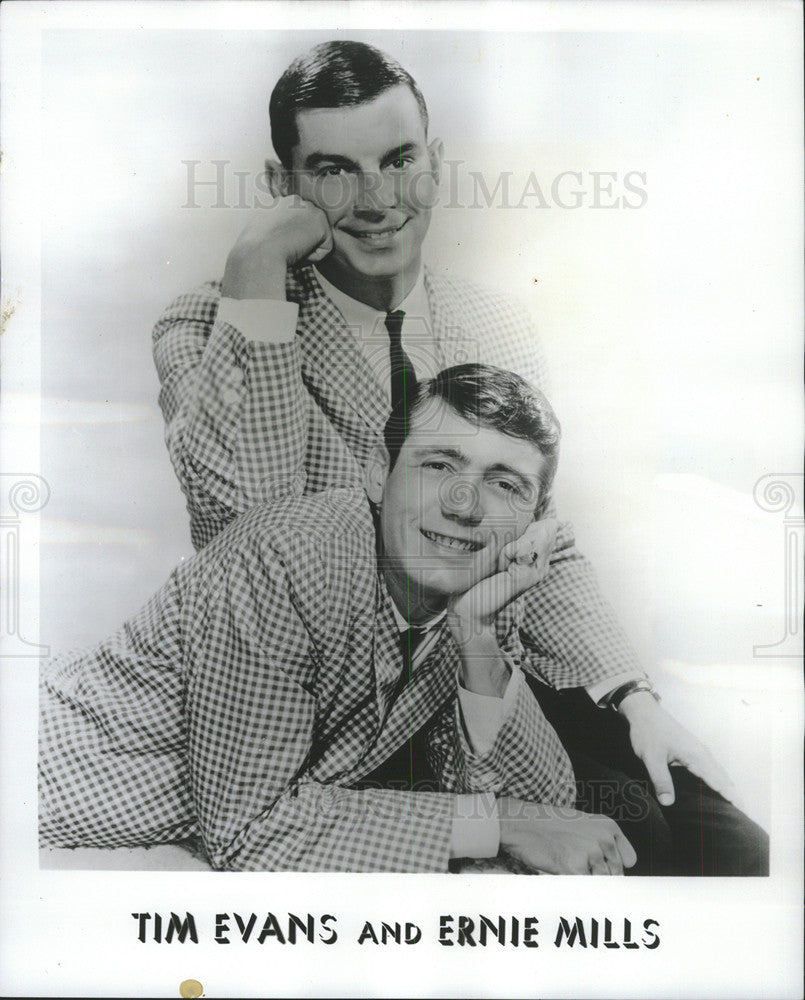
404,625
365,318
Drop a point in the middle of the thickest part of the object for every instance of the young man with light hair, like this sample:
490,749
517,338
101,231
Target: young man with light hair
265,696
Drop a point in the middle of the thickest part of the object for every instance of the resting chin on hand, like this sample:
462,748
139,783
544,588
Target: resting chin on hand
545,838
257,264
521,564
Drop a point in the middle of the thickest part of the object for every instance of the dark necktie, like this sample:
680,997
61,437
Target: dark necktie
409,642
408,767
403,376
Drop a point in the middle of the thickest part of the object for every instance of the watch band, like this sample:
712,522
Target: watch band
631,687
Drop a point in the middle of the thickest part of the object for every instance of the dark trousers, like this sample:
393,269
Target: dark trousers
700,834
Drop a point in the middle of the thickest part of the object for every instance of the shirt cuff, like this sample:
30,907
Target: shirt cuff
476,826
483,715
600,691
263,321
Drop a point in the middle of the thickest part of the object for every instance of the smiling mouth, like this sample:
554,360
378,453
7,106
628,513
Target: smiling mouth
449,542
375,235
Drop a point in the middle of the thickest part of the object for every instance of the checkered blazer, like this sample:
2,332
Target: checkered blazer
247,422
255,691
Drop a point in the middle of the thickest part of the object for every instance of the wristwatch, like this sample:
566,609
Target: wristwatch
631,687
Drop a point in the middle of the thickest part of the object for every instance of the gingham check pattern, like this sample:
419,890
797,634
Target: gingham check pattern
252,692
247,422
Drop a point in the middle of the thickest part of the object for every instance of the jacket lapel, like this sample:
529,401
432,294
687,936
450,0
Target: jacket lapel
432,683
333,366
455,344
388,659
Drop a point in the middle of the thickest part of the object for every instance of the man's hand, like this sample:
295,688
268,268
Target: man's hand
521,564
562,841
289,231
659,740
471,616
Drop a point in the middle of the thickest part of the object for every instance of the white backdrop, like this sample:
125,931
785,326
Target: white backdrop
672,329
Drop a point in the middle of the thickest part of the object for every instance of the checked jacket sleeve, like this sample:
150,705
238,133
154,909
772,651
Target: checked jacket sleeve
526,759
570,633
236,412
265,758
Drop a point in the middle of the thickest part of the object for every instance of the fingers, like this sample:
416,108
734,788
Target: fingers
617,852
515,570
542,546
606,862
532,550
657,767
323,249
610,851
507,555
626,852
542,562
565,842
597,864
658,739
548,529
312,238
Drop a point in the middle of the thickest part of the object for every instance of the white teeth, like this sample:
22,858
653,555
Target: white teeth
376,236
452,543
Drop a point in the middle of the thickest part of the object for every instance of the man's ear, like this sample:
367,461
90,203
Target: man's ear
278,179
436,155
377,470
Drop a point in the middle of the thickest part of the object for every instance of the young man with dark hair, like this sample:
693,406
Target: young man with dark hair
497,399
333,75
280,378
256,698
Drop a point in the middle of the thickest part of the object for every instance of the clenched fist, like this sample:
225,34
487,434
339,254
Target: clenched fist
291,230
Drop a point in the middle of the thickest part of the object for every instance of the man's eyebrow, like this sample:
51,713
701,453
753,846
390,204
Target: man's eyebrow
336,159
524,478
316,159
454,453
400,149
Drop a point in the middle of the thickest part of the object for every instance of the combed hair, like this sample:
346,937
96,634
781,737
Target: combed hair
489,397
332,75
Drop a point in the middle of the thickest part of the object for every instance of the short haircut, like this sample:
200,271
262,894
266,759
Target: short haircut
332,75
489,397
